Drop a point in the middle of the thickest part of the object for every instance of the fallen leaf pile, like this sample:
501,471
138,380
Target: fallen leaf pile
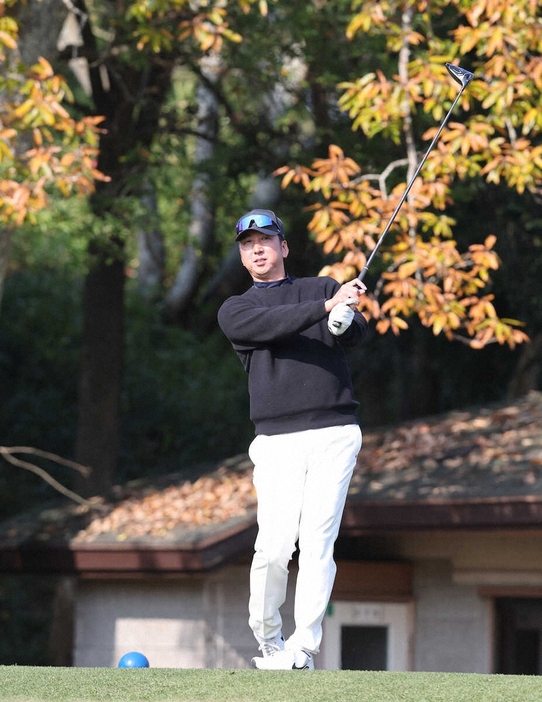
212,499
488,452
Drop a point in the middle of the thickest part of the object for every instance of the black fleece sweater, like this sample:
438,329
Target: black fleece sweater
298,376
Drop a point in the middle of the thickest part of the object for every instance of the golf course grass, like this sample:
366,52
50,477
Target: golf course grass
188,685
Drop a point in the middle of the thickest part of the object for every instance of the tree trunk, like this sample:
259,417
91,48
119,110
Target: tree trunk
5,242
100,379
130,98
150,244
40,23
528,370
61,636
201,228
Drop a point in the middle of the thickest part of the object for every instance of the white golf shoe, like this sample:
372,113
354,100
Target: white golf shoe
288,659
270,646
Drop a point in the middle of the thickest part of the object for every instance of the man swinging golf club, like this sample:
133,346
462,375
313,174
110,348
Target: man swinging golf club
290,334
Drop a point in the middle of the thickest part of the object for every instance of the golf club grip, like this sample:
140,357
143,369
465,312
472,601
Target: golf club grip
338,324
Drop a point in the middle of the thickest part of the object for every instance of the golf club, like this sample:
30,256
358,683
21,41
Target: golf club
463,77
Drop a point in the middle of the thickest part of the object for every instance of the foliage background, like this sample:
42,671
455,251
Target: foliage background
184,402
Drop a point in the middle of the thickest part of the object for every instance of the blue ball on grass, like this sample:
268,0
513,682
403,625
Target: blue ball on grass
134,659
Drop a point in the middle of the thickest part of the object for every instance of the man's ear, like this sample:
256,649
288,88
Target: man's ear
285,249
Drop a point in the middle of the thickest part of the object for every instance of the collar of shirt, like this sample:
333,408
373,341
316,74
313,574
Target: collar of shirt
273,283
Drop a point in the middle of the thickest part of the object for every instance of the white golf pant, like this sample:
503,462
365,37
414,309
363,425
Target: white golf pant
301,481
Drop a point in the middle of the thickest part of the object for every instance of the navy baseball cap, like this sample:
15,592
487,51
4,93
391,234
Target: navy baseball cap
264,221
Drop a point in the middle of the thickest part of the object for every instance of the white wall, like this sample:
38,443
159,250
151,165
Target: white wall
454,628
186,623
453,625
114,617
202,622
395,616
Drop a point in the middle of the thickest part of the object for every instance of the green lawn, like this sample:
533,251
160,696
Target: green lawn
177,685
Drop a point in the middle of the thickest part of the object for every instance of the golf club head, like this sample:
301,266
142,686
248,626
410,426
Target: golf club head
459,74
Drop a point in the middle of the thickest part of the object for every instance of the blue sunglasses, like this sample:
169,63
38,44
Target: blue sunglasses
258,220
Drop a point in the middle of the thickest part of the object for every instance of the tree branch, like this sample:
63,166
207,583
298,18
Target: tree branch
7,454
381,177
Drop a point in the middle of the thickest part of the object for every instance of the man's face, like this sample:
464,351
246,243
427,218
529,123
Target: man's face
263,256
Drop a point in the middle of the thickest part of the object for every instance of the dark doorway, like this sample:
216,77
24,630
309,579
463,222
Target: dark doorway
364,647
519,636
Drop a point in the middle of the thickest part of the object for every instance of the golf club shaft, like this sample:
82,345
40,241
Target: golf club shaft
365,268
463,77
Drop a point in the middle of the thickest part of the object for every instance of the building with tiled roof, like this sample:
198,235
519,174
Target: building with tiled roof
439,554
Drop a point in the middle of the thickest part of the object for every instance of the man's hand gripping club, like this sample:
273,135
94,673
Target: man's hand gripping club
341,306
